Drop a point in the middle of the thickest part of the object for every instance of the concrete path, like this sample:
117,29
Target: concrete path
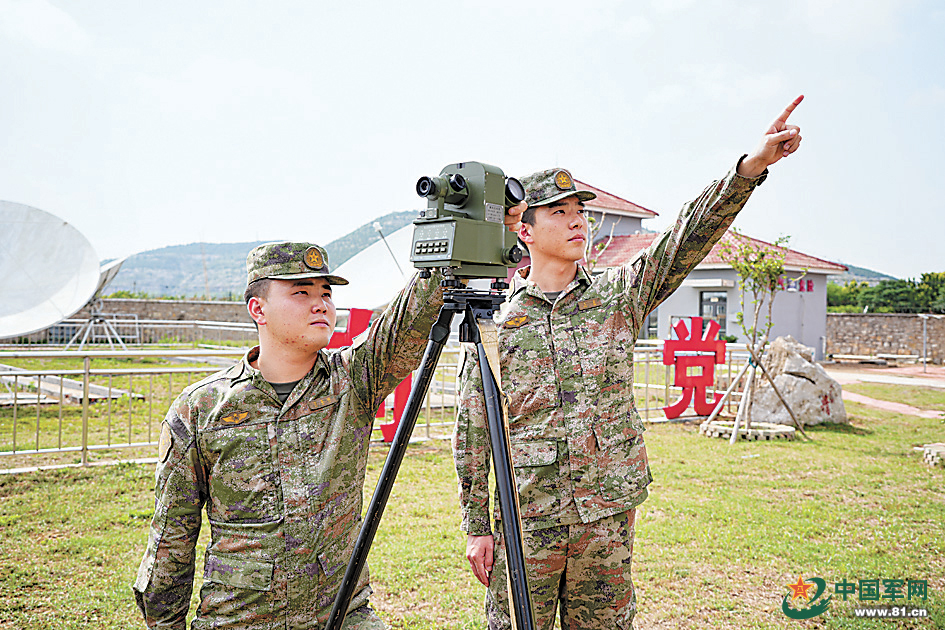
916,376
895,407
932,376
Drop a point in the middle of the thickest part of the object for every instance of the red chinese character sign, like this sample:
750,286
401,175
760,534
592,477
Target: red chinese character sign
694,354
358,321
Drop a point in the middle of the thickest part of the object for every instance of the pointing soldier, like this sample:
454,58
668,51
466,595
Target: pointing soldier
566,358
275,448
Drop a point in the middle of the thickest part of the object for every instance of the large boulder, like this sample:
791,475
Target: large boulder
814,397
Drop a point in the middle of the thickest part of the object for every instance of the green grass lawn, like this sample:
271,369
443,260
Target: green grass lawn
920,397
725,530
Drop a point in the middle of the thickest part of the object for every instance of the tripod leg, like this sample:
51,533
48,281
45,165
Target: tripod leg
398,447
520,601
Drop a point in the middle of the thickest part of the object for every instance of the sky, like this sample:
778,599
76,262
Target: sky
154,124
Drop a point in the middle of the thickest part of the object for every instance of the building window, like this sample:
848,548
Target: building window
713,305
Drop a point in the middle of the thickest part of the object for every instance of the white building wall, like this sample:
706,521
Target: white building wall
623,225
801,314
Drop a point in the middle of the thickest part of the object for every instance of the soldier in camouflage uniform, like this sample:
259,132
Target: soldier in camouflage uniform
276,448
566,352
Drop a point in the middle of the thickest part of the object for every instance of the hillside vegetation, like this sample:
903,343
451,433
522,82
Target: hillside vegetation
218,270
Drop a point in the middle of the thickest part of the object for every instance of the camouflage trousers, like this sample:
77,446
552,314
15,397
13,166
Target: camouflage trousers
363,618
582,568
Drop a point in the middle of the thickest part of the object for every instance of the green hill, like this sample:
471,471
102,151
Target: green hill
218,270
859,274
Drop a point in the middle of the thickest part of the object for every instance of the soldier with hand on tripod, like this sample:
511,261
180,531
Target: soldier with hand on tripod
566,343
275,448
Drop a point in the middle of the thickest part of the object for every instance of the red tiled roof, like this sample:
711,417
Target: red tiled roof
624,248
608,201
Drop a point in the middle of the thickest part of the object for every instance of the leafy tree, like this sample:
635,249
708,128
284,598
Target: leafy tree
594,249
906,296
932,291
759,268
839,297
938,305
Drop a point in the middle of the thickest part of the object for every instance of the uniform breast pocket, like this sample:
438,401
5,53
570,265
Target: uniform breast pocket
528,369
244,487
538,477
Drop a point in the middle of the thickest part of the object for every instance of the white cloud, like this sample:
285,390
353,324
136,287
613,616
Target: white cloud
671,6
608,17
932,96
39,23
211,85
869,21
661,96
730,84
634,26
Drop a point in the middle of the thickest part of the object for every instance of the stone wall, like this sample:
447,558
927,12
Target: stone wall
872,334
189,310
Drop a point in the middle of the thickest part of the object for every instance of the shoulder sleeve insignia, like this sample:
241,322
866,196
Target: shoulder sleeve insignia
166,442
516,322
589,304
235,418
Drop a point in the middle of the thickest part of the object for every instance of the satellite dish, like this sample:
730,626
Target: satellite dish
373,279
107,273
48,270
97,319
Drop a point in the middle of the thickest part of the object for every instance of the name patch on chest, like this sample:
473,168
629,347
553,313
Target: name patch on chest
589,304
516,322
323,401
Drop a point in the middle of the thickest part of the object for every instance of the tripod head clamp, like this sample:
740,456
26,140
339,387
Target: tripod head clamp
474,304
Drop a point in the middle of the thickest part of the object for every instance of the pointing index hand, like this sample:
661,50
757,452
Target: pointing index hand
781,120
779,140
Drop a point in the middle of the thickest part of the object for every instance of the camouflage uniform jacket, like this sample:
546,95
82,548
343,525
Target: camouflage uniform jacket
567,370
282,483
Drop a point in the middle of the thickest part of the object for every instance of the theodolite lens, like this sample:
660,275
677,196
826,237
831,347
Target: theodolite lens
457,182
514,191
426,187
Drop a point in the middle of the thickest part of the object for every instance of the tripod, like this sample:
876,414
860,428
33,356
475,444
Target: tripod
476,306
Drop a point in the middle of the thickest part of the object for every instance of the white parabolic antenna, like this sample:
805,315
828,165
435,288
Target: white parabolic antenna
48,269
375,278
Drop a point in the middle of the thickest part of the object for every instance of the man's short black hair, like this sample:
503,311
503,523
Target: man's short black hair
257,289
529,216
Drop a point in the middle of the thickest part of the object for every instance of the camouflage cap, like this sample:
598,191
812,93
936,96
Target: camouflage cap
548,186
289,261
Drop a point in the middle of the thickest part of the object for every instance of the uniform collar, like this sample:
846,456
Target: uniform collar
245,371
520,283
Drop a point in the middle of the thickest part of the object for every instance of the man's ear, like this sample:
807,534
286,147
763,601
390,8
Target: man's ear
256,309
525,234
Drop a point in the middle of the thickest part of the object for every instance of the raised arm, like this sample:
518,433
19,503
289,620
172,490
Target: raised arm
779,141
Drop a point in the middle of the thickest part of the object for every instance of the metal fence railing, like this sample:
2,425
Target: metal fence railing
111,329
71,408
